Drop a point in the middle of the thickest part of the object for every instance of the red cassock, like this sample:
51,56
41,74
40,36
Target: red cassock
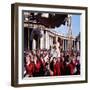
37,66
57,71
43,63
62,68
30,69
71,67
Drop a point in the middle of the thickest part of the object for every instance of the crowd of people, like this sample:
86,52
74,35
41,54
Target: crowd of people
43,62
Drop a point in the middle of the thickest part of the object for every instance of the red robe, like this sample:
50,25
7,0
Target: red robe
57,71
72,67
37,66
30,69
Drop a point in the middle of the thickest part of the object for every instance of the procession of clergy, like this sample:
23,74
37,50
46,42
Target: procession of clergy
52,62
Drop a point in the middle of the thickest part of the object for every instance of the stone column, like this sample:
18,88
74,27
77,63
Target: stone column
42,40
74,46
77,46
28,39
46,40
34,44
44,37
63,44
